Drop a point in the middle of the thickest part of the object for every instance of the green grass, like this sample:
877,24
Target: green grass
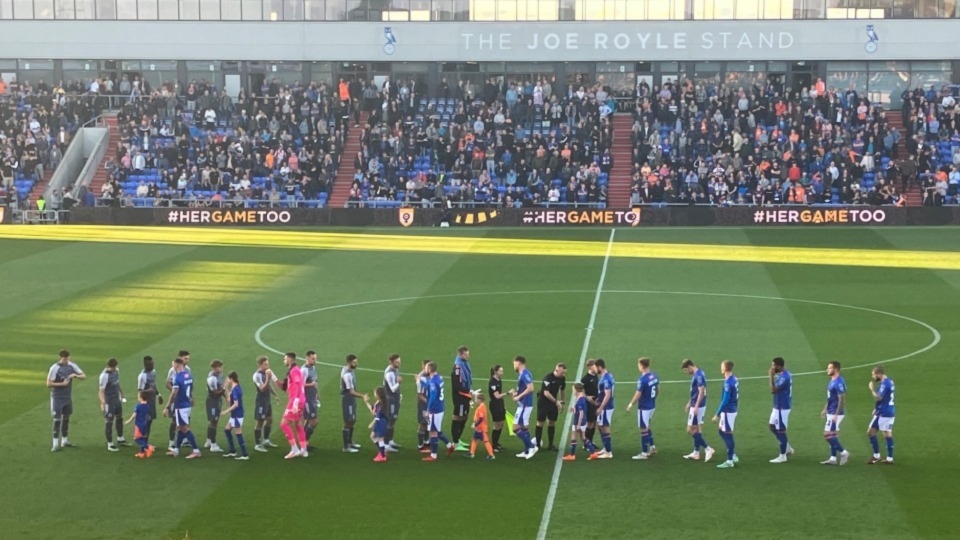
127,300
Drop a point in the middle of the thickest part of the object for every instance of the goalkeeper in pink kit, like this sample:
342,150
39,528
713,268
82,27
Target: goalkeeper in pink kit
296,402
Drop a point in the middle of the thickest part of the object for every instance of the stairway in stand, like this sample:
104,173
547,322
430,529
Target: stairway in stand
341,185
618,190
100,177
895,120
40,187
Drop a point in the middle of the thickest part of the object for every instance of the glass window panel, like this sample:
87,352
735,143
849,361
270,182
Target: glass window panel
168,11
86,9
930,66
64,9
106,9
189,10
548,10
334,10
210,10
703,9
251,10
230,10
591,10
923,79
147,10
313,10
23,9
723,9
293,10
43,9
747,10
885,86
636,10
6,9
482,10
527,10
127,9
356,10
272,10
506,10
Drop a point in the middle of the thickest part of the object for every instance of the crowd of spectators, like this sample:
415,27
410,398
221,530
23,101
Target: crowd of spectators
503,143
196,146
767,144
36,126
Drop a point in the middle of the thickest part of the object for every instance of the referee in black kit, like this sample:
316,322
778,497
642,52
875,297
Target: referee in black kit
549,402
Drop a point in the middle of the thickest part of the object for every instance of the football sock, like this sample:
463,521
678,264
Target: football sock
266,432
288,433
643,443
782,437
388,436
875,444
496,437
699,442
890,448
421,437
109,432
173,431
258,435
573,449
64,426
346,437
551,433
607,442
308,431
350,430
433,446
56,430
588,444
118,423
589,433
212,434
179,440
230,449
243,445
302,435
192,440
650,437
524,436
539,436
443,437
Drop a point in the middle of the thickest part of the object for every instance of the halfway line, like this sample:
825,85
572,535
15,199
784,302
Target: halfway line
555,480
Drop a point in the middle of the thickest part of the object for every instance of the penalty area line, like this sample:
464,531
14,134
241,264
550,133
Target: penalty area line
555,479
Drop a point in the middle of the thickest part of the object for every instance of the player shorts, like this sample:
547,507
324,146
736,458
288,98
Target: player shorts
604,417
140,432
113,410
881,423
522,418
235,423
832,426
349,406
289,415
182,416
393,411
421,413
435,422
498,413
695,418
213,412
480,436
310,409
263,411
379,429
727,420
152,404
547,410
461,405
591,412
60,408
644,416
779,419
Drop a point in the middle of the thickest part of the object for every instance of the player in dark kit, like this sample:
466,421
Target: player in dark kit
147,385
461,379
498,410
60,382
591,389
549,402
111,404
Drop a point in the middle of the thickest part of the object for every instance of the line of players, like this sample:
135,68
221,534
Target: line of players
593,408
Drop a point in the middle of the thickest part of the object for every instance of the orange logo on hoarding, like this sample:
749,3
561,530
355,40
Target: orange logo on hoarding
406,216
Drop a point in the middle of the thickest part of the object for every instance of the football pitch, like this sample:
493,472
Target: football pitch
862,296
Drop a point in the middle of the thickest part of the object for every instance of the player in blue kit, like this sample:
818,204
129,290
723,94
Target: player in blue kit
727,412
581,418
833,412
781,386
181,398
648,386
235,423
695,409
604,411
523,397
434,412
883,415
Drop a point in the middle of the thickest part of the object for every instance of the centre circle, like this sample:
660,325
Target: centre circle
258,335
